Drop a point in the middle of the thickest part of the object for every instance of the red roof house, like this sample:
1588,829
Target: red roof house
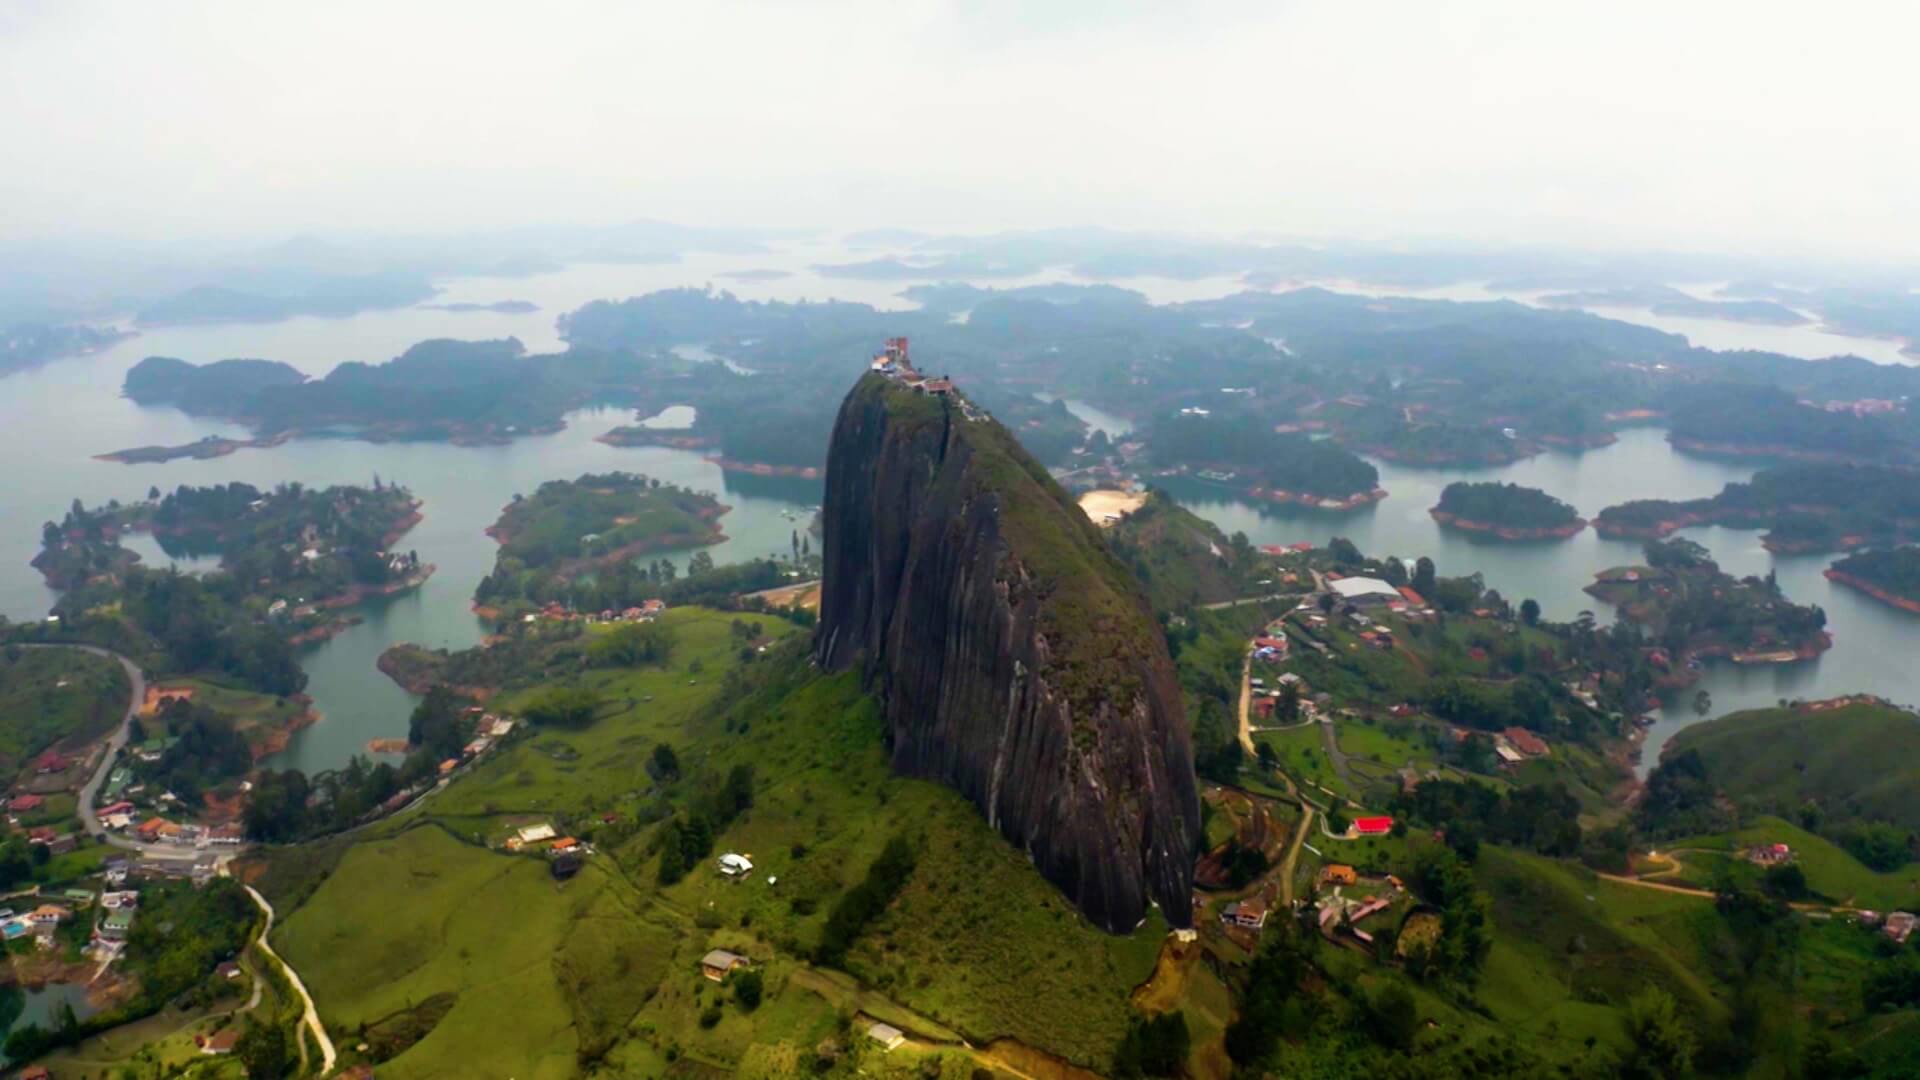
1526,741
20,804
1373,826
1413,598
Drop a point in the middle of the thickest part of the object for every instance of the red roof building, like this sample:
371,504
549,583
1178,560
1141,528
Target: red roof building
20,804
52,762
1373,826
1413,598
1526,741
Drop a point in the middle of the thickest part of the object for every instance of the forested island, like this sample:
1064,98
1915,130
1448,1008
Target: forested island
1385,433
1267,465
1692,610
1889,575
1805,508
1424,382
1506,512
595,526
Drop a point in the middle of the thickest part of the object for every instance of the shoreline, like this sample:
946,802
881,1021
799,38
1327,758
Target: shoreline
804,472
1443,461
278,739
1309,501
206,449
1894,600
1767,450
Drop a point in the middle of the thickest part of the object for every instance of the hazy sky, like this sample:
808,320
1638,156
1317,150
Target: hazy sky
1744,127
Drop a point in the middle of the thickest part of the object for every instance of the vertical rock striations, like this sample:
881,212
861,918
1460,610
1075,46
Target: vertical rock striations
1015,657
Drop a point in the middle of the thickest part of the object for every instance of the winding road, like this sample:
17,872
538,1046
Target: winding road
310,1015
116,742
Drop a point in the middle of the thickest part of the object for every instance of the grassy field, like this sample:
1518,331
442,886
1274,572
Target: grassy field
420,914
1569,949
1362,739
54,697
423,928
1303,756
1832,873
256,716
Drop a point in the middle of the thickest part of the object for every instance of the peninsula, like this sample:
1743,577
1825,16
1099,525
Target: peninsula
1693,610
1889,575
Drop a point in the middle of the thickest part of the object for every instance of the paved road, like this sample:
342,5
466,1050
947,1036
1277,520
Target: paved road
115,743
311,1015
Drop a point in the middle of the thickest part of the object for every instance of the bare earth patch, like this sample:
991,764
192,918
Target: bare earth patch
1106,506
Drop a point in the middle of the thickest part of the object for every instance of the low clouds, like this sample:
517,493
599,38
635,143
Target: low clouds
1733,127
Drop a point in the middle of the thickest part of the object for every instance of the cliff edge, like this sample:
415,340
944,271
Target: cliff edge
1015,658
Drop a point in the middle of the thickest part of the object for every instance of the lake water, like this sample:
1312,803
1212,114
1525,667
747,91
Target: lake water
1095,418
54,419
1873,644
42,1007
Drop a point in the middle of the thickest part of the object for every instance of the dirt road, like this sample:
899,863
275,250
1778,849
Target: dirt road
310,1015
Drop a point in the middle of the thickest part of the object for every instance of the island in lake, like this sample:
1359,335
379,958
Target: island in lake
1692,610
574,542
1506,512
1889,575
212,446
1240,449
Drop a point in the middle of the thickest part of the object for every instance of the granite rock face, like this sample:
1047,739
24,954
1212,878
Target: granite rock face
1016,660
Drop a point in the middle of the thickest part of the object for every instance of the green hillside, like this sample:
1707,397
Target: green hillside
55,696
1181,558
470,960
1860,761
